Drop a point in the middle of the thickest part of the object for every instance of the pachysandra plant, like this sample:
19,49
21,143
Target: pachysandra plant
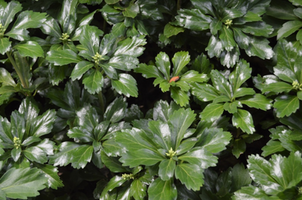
227,93
277,178
81,119
89,132
287,79
169,144
135,15
176,79
95,59
233,25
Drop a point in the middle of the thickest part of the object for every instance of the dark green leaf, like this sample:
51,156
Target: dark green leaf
132,10
148,71
6,78
214,140
93,81
200,157
193,181
239,147
277,175
212,112
5,45
162,190
126,85
180,120
166,169
193,19
22,183
31,49
35,154
29,19
258,101
8,12
272,147
80,68
116,181
289,28
43,124
171,30
138,189
180,60
240,177
204,92
286,105
252,192
161,133
179,96
51,174
62,57
243,119
227,38
140,151
240,75
163,64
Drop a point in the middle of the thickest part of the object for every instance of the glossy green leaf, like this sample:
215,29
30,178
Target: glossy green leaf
251,192
166,169
214,140
148,71
140,151
77,155
9,11
62,57
239,147
162,190
51,174
171,30
161,133
93,81
116,110
5,45
6,78
272,147
286,105
111,1
220,83
253,46
163,64
277,174
258,101
132,10
204,92
193,19
243,119
289,28
43,124
31,49
180,120
240,75
180,60
193,181
113,164
138,189
114,182
179,96
35,154
212,112
200,157
80,68
22,183
29,19
227,39
126,85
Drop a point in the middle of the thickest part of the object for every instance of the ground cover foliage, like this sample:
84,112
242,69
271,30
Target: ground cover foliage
157,99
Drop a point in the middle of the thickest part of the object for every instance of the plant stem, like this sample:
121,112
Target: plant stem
102,104
178,4
23,82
